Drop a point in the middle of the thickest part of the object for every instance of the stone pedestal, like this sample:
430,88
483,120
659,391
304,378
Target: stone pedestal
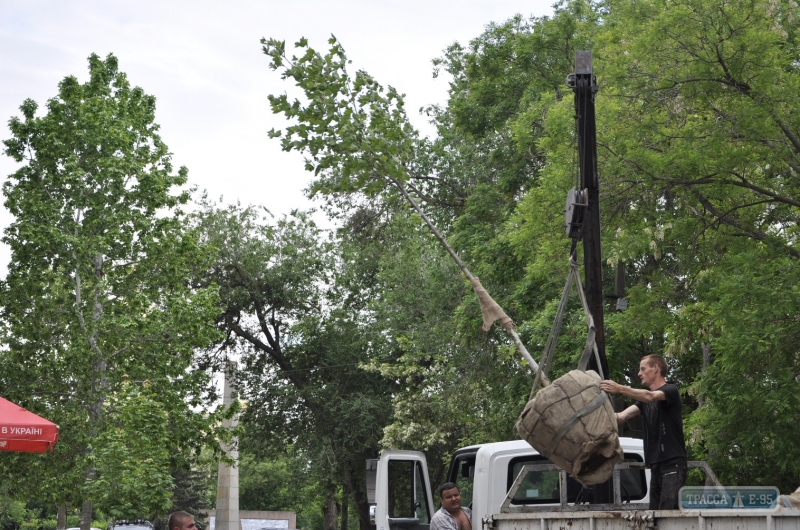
227,511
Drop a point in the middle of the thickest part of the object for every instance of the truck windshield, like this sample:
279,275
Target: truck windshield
541,487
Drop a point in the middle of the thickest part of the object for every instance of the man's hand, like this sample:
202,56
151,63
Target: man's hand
610,386
639,394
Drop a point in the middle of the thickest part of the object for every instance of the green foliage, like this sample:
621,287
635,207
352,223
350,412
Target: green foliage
698,147
194,489
353,133
698,137
13,513
131,456
268,484
281,482
706,117
72,522
97,303
301,343
754,378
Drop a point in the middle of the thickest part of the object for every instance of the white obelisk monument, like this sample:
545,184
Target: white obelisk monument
227,511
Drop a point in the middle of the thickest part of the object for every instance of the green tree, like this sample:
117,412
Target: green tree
194,488
301,345
696,135
282,481
97,302
702,183
132,476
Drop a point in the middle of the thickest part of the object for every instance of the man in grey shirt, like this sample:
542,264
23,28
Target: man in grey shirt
451,516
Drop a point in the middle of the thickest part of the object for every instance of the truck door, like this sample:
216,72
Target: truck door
402,499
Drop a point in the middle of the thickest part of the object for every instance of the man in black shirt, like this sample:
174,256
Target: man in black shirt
664,446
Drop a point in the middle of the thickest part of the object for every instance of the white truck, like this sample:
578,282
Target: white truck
510,486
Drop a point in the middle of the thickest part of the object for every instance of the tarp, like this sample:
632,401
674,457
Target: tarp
21,430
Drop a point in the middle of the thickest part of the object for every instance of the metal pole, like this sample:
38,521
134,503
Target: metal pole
585,88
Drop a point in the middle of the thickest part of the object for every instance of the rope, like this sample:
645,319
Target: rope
555,330
584,362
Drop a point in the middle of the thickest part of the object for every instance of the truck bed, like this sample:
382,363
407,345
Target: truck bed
780,519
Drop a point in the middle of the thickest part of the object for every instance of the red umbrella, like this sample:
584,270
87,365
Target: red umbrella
21,430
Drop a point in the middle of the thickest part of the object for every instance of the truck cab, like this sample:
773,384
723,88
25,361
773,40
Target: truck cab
402,496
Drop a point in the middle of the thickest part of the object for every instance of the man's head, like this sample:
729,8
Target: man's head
450,497
653,371
181,521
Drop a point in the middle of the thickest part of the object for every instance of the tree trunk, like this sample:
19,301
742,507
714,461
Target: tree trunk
343,518
701,398
619,280
99,382
329,512
706,348
359,498
61,518
86,515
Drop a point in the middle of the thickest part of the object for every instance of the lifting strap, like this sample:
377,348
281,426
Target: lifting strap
587,409
590,347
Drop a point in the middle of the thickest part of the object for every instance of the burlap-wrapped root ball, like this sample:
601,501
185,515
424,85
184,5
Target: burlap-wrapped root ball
571,422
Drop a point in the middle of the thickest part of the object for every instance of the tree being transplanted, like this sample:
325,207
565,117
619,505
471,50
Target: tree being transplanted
368,160
360,141
97,302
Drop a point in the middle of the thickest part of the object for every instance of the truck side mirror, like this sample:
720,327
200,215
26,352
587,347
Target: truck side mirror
468,471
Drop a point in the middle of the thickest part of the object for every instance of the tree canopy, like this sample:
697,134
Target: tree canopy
287,312
101,321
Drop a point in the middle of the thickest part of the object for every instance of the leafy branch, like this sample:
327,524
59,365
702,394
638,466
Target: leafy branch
358,140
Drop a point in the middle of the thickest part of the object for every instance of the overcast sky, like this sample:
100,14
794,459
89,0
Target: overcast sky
203,62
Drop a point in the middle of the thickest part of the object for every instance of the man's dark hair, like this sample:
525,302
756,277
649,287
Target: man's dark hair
656,360
177,519
444,487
